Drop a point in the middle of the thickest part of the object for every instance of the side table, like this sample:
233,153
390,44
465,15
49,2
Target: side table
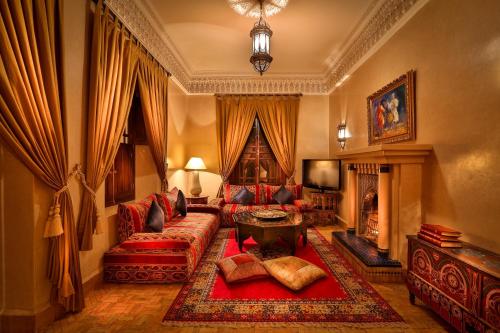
202,199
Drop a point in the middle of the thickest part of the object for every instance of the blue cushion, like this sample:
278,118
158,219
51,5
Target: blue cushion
181,204
244,197
156,218
283,196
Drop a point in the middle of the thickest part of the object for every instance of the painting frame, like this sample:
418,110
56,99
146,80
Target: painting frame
391,111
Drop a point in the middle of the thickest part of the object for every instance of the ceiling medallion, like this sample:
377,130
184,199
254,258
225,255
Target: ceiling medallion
252,8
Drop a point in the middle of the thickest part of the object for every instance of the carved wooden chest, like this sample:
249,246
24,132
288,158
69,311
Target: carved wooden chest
461,285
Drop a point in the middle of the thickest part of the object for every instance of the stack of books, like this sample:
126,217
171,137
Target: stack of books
440,236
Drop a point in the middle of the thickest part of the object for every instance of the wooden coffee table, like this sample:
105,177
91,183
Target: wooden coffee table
266,233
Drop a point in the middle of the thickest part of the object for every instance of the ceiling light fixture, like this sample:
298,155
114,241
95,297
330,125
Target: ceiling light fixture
261,44
252,8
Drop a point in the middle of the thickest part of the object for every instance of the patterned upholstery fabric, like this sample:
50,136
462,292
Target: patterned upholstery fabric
170,256
230,209
270,190
132,217
230,191
168,203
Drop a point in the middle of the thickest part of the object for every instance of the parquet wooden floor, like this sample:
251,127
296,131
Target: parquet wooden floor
140,308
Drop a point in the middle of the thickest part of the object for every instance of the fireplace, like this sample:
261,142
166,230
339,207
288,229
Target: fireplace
368,207
384,194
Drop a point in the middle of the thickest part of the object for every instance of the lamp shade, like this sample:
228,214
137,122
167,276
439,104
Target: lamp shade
195,163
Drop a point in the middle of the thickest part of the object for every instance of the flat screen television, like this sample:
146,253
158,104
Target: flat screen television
321,174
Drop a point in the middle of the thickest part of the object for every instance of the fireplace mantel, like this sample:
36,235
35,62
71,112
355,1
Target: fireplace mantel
387,154
399,170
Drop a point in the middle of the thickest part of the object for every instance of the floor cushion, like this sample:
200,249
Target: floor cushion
242,267
293,272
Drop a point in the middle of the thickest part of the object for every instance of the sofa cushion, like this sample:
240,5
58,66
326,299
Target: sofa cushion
270,190
181,204
156,218
241,267
283,196
132,217
168,203
293,272
244,197
230,191
230,209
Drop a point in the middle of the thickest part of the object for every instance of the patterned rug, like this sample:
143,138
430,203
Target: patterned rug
342,299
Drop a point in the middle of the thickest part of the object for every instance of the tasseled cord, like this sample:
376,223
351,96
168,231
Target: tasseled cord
53,226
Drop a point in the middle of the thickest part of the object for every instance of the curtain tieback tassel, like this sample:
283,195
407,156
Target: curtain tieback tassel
53,226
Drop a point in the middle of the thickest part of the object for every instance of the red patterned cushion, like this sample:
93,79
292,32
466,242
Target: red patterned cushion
168,203
270,190
230,191
132,217
242,267
147,243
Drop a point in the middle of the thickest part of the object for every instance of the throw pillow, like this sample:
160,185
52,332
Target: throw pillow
244,197
293,272
156,218
168,203
283,196
242,267
181,204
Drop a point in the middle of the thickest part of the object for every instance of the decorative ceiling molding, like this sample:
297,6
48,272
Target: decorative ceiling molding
386,17
383,19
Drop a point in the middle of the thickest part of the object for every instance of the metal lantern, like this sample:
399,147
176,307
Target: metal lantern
341,135
261,46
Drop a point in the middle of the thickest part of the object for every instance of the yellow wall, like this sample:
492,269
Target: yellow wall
198,137
454,46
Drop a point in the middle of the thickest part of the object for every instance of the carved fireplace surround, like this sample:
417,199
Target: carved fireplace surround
398,168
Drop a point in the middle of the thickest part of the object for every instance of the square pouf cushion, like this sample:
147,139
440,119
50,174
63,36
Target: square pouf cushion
293,272
242,267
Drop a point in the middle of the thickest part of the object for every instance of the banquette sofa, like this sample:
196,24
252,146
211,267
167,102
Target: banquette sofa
159,257
173,254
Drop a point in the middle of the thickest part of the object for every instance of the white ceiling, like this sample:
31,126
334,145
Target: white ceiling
210,39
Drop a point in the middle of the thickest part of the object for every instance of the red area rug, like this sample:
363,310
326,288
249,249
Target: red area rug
342,299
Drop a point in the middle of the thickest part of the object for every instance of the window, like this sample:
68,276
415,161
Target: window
257,163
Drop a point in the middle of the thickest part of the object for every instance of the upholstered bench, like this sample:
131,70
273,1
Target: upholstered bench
167,256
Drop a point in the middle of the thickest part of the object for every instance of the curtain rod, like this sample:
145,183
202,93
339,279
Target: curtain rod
134,39
257,95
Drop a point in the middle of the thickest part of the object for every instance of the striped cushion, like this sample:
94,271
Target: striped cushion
168,203
230,191
132,217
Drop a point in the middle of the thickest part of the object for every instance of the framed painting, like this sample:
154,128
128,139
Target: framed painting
391,111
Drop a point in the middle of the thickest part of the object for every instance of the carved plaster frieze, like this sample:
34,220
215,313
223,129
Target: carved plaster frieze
385,17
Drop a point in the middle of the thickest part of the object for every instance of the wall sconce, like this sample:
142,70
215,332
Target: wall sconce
341,135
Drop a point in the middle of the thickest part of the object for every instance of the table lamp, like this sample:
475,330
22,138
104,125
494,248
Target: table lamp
195,164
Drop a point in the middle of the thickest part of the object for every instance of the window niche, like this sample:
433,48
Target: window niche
257,163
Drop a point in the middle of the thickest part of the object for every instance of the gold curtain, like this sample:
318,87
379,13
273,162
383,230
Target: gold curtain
111,86
278,117
153,87
234,120
31,125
